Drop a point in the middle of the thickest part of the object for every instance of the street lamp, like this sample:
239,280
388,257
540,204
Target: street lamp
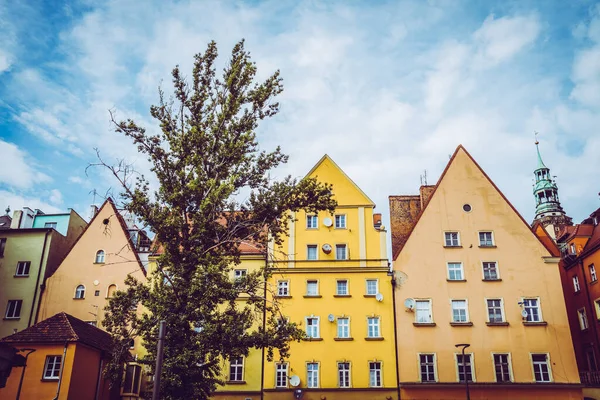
464,346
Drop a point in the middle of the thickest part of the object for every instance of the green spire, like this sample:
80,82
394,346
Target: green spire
540,162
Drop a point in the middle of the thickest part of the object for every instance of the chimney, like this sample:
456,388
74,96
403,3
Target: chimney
16,219
27,219
93,211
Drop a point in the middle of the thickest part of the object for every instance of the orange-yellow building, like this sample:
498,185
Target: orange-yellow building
65,357
469,270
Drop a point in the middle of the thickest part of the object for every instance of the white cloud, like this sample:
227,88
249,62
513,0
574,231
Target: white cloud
18,169
55,197
17,201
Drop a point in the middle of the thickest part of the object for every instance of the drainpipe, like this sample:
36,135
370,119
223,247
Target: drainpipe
101,364
264,326
395,334
37,283
62,367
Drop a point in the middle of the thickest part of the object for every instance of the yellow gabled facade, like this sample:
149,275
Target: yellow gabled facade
331,277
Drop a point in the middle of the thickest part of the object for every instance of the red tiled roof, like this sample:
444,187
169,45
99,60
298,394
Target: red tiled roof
61,328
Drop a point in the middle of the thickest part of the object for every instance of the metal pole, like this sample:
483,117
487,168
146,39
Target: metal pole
23,372
159,360
464,346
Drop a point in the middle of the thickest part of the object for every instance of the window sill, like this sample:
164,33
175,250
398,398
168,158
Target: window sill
496,323
21,276
369,295
461,324
98,263
584,330
424,324
313,339
78,298
492,280
342,295
374,339
235,382
278,297
594,282
11,318
312,296
456,280
488,247
343,339
541,323
577,292
49,379
453,247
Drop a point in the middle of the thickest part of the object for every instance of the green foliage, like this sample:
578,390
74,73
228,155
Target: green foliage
205,155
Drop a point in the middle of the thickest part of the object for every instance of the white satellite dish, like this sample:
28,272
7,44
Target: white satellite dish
330,318
409,303
327,222
524,314
327,248
294,380
379,297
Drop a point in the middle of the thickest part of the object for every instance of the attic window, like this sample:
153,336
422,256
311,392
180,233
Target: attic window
467,208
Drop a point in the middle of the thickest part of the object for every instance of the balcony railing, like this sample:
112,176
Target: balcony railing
590,378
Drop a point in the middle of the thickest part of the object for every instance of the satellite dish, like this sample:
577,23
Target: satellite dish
330,318
294,380
327,222
379,297
524,314
409,303
327,248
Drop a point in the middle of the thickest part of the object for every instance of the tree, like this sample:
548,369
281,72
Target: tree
204,157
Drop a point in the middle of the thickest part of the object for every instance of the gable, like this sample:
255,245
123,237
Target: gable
346,192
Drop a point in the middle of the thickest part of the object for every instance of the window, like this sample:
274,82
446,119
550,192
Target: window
281,373
343,328
451,239
341,288
110,292
502,367
96,293
593,276
532,308
375,374
13,310
80,292
340,252
459,311
372,287
312,375
132,344
92,323
455,271
239,273
427,363
495,311
582,317
50,225
597,305
283,288
2,246
340,221
541,367
312,222
467,208
590,359
236,369
23,268
100,257
344,374
311,252
423,314
312,327
573,249
576,286
490,271
464,369
312,288
486,239
133,374
373,327
52,367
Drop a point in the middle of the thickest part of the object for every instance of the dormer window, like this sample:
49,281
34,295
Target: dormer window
100,257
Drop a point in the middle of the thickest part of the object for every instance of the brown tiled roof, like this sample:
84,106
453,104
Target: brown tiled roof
61,328
5,221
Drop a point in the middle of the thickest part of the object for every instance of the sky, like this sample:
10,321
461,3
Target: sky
388,89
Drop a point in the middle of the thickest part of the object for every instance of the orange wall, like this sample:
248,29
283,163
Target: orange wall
85,374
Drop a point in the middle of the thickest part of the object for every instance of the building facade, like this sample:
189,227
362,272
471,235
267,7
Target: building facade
472,272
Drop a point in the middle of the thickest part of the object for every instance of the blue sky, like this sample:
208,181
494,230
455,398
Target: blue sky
388,89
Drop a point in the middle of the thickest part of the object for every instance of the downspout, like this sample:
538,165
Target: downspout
264,325
37,283
101,364
395,334
62,367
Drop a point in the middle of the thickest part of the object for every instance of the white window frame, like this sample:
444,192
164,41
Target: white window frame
316,282
337,291
100,257
375,370
80,292
374,324
312,246
367,287
51,225
593,274
539,308
236,365
510,370
347,372
419,365
573,248
284,371
548,364
481,242
23,266
472,360
283,288
342,217
341,246
449,243
583,319
576,285
487,310
497,270
315,375
430,309
312,218
239,273
343,324
55,366
18,305
597,307
466,311
316,327
462,270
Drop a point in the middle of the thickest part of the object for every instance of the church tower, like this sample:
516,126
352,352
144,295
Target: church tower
548,211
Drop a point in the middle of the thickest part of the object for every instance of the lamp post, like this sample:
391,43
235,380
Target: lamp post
464,346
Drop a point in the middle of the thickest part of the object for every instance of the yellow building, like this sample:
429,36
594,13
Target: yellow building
28,255
470,271
331,277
